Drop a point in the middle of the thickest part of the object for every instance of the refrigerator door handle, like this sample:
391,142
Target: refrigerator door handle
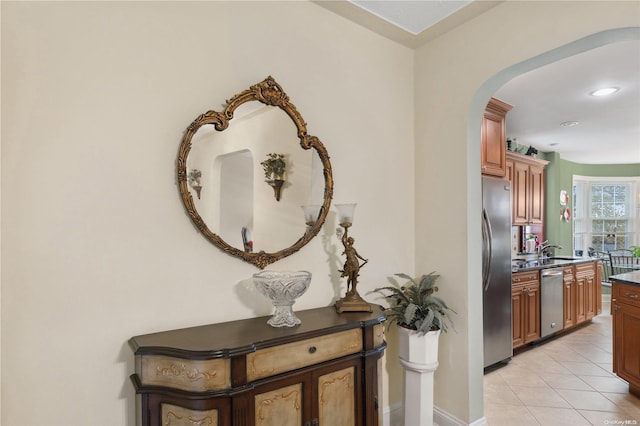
487,249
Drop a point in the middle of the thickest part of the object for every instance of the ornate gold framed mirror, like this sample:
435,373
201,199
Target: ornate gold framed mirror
223,181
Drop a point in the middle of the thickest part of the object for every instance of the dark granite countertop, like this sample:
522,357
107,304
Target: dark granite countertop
627,277
524,265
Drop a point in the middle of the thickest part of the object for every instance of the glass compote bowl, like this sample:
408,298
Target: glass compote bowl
283,288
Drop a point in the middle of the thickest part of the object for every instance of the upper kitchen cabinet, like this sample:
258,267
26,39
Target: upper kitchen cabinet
527,188
494,138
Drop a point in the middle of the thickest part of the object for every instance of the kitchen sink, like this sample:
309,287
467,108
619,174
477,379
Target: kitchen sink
537,263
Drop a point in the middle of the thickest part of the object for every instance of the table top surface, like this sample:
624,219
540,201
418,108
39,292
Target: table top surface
627,278
224,339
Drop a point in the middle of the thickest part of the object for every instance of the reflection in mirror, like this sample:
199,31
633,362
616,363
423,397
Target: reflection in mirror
232,205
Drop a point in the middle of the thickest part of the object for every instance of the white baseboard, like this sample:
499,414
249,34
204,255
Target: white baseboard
393,416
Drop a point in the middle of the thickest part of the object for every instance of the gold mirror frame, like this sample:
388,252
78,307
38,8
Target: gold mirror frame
270,93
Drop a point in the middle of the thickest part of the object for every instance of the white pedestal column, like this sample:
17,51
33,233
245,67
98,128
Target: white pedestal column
419,358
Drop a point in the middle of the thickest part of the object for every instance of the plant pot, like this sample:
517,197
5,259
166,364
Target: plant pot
417,347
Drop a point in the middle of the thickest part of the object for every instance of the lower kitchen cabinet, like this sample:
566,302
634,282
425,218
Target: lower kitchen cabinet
569,296
586,277
525,304
582,299
625,304
582,293
598,288
323,372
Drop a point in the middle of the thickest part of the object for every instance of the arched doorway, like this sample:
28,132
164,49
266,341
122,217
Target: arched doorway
487,89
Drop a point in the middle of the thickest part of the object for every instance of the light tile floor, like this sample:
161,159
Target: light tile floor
566,381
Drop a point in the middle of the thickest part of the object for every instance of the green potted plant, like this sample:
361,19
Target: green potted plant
415,306
635,250
421,316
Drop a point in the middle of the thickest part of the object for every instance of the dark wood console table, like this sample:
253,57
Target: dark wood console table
241,373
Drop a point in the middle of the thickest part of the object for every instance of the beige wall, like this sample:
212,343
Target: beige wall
96,247
455,76
96,244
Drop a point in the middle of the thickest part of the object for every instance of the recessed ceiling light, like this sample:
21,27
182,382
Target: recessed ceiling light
605,91
553,144
569,123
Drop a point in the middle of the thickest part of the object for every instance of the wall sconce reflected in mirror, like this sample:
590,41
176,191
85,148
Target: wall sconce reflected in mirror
194,180
311,213
274,167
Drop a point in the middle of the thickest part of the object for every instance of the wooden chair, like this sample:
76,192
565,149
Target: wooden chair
622,261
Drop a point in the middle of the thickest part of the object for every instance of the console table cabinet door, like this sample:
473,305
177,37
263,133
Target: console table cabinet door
280,406
337,395
166,410
326,396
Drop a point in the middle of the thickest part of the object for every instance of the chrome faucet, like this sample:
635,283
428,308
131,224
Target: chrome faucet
543,249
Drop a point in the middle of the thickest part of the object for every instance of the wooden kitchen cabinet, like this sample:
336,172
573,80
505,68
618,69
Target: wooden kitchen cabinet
525,303
625,304
321,372
569,297
586,282
494,138
526,175
598,287
582,293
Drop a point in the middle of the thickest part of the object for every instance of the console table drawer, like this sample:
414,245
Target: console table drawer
279,359
189,375
172,415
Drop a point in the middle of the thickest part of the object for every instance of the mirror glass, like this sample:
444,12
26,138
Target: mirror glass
223,184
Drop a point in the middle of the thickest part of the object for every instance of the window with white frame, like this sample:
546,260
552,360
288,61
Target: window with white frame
606,213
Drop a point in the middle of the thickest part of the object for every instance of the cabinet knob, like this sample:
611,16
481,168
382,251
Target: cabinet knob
312,350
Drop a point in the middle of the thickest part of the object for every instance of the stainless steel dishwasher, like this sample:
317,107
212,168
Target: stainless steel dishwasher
551,301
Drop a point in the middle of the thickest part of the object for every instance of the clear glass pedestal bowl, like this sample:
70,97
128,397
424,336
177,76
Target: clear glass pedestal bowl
283,288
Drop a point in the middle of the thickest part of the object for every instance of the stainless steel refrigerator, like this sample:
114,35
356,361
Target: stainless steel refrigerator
496,270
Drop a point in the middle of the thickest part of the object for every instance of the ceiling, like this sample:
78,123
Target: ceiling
608,129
